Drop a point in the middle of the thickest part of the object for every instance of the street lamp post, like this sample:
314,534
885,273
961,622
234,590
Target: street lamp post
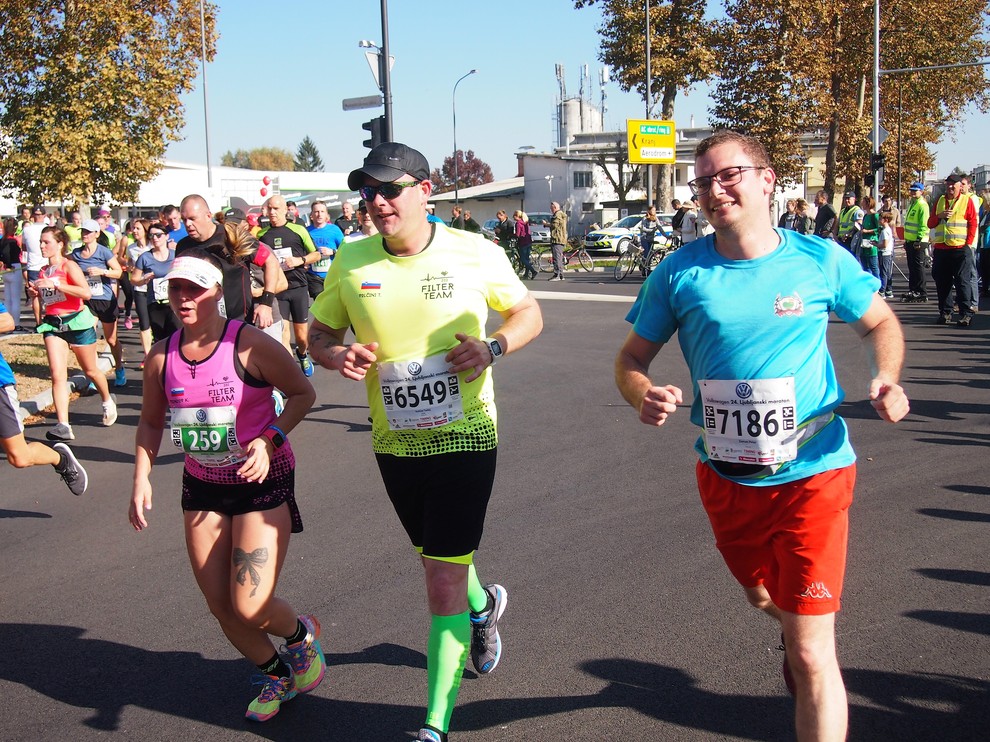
206,99
549,179
453,106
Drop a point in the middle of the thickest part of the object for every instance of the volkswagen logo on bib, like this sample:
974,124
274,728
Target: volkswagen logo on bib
415,369
744,390
201,416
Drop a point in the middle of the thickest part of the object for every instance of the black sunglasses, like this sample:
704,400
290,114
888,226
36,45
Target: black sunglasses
388,190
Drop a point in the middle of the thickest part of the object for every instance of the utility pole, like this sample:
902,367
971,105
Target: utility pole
649,96
386,75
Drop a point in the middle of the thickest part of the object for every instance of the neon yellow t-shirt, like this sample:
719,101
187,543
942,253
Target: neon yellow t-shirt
413,306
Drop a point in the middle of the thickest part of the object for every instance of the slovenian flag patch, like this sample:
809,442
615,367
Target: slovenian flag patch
370,285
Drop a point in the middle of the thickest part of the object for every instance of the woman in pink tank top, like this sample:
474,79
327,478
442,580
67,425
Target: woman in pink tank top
238,488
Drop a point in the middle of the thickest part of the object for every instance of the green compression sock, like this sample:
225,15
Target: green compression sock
446,653
477,595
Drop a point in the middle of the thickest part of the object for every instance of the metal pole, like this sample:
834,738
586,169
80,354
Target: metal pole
206,100
900,122
453,107
649,96
386,75
876,87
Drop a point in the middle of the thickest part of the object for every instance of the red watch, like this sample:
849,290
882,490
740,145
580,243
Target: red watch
275,435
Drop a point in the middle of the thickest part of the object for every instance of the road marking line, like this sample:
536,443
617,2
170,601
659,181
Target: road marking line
571,296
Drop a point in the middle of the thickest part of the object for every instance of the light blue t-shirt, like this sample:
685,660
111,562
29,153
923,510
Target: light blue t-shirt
101,287
764,318
329,235
6,374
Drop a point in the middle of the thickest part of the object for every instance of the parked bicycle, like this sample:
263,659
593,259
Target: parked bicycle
635,257
543,258
511,253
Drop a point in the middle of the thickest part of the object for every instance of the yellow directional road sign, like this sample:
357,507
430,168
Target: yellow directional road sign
650,142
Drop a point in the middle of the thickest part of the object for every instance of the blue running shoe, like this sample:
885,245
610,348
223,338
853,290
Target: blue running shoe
306,363
486,644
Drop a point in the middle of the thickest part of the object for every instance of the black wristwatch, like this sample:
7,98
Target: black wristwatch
495,348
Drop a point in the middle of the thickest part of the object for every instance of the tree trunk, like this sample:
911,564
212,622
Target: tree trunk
665,178
833,125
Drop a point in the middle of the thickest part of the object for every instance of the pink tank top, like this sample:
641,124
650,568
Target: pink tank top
217,407
53,300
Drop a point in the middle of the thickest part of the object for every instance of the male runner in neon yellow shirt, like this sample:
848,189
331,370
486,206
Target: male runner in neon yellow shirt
417,296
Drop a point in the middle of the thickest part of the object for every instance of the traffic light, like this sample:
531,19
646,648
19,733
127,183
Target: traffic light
377,128
869,180
876,161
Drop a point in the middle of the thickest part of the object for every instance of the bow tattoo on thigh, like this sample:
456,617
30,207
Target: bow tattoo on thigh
246,564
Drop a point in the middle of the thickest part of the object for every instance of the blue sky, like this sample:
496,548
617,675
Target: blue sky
282,70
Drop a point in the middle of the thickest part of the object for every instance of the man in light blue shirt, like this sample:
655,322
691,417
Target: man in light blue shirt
750,306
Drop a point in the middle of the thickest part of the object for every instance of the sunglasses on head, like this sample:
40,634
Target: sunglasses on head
388,190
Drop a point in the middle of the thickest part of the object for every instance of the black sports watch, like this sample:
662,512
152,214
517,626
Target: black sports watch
495,348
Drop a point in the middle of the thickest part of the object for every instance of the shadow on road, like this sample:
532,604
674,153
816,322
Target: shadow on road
22,514
107,677
960,515
975,623
961,576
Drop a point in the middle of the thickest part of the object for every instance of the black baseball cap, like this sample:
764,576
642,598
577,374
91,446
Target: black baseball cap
953,178
234,216
387,163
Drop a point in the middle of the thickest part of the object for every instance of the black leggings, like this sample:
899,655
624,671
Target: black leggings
163,321
141,305
125,286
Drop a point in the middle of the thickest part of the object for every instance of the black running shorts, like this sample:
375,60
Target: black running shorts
441,500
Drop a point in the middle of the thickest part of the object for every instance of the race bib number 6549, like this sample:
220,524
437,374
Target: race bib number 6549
420,394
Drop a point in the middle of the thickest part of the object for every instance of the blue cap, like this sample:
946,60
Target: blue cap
917,187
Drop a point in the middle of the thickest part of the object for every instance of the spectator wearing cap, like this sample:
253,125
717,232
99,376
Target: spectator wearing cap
31,245
954,224
916,243
851,223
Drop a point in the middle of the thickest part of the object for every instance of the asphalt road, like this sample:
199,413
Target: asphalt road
622,622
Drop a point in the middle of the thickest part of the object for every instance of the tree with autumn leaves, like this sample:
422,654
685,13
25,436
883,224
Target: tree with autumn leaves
90,93
471,171
782,69
807,66
680,55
